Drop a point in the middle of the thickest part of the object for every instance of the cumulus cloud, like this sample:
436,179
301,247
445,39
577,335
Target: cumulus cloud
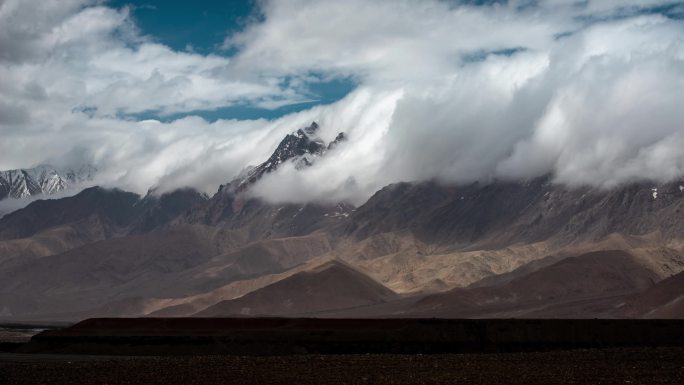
588,93
456,90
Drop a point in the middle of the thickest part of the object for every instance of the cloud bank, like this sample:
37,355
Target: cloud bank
588,91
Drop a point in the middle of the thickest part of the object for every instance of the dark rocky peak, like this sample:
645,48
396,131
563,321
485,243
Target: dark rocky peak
112,205
341,137
231,208
300,147
159,209
303,141
311,130
174,198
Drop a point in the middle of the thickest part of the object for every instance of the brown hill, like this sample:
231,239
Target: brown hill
664,300
138,274
333,285
57,239
187,306
86,277
552,291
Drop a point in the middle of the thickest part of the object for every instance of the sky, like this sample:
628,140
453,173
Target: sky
174,94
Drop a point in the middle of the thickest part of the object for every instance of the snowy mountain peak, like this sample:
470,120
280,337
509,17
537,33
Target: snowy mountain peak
42,179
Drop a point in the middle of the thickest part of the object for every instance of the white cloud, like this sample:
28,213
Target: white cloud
384,41
93,57
590,91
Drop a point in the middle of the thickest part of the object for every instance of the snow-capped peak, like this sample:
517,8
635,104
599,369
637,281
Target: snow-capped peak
42,179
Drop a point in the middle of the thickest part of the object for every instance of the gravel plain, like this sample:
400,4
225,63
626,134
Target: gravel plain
593,366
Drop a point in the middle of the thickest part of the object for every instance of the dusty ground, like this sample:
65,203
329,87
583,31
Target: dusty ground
608,366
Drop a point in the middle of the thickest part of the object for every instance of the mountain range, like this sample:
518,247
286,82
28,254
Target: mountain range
505,248
42,180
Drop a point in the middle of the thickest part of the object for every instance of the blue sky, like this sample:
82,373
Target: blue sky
201,26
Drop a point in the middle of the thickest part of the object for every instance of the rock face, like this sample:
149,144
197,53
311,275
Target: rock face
502,213
41,180
301,148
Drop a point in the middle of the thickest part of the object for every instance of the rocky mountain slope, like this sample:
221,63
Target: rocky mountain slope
117,211
300,148
499,249
503,212
232,207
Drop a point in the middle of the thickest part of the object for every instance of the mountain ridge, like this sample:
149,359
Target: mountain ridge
178,252
43,179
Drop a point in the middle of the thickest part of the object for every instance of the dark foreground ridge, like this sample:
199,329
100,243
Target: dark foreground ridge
285,336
